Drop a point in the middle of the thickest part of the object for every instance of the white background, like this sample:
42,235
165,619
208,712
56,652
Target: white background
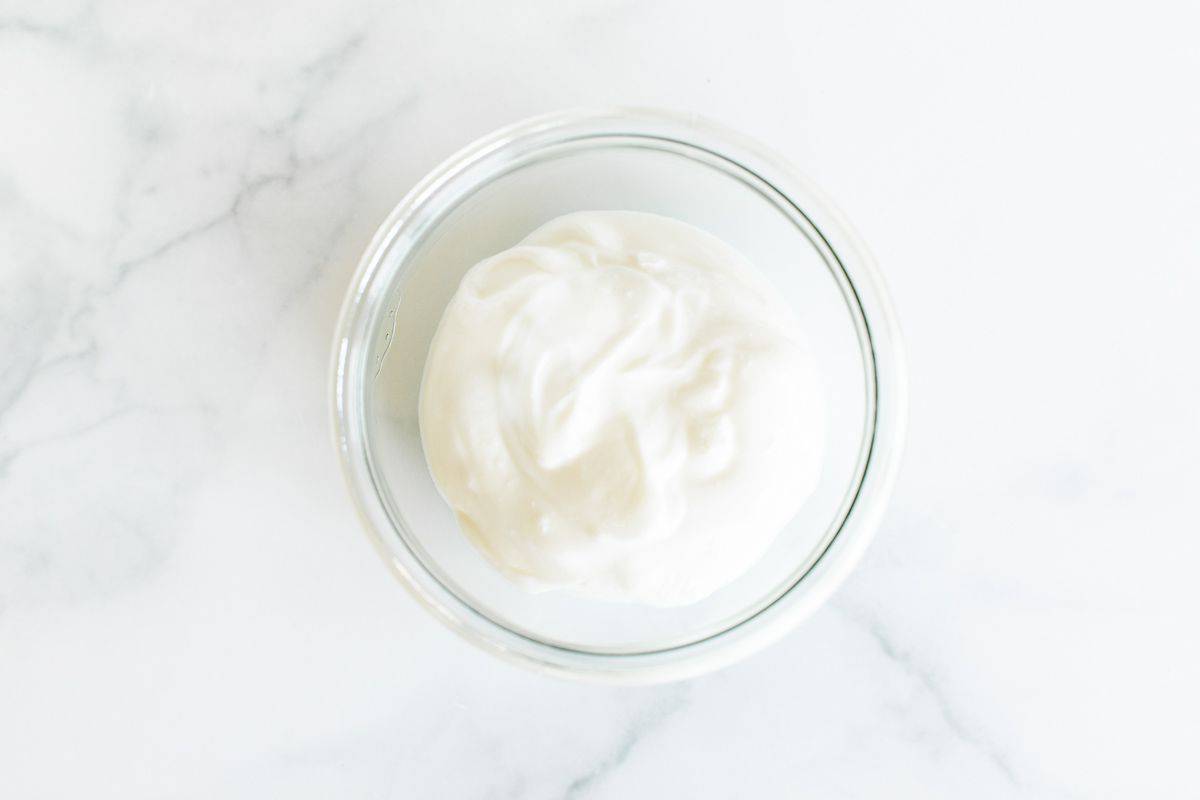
187,606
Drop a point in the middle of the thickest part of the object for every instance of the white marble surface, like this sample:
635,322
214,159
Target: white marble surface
187,606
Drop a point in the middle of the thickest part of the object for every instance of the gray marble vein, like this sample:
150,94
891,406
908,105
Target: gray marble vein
904,660
671,702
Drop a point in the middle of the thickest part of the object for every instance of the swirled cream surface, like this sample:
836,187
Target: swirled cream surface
621,406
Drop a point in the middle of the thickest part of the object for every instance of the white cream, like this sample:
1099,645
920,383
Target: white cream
621,406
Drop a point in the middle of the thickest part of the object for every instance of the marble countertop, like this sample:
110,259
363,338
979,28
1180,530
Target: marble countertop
188,608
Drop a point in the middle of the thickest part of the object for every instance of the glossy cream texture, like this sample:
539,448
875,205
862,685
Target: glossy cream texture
621,406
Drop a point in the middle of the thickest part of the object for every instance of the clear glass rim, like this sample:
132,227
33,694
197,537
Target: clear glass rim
879,339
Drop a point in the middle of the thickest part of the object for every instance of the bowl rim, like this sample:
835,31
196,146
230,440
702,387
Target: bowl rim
879,339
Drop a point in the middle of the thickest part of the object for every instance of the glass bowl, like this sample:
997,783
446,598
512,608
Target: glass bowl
485,199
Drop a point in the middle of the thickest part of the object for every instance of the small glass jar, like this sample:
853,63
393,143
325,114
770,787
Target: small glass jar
485,199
